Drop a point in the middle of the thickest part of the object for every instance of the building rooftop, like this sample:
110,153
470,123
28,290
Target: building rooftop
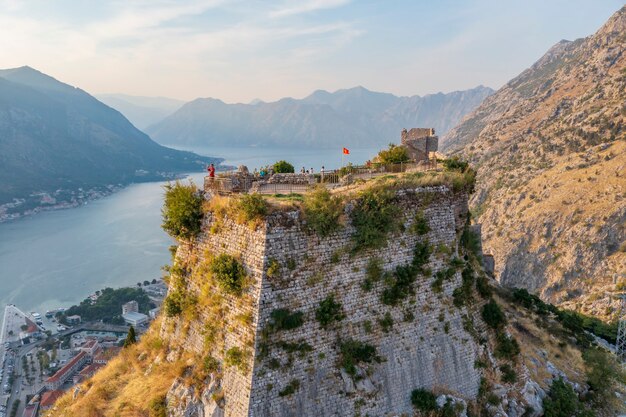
132,315
48,398
31,410
66,368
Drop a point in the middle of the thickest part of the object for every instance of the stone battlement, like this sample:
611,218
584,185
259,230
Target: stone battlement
419,142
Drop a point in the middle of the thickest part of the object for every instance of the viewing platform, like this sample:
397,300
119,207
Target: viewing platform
242,181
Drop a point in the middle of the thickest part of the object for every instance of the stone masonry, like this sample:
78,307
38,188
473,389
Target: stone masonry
419,142
427,346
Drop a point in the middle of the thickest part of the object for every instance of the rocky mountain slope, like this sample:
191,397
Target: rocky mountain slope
352,117
56,139
141,111
550,148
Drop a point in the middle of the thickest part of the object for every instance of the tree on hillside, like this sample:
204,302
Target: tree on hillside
131,339
393,155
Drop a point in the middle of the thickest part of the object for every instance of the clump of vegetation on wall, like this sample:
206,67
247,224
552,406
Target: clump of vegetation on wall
506,347
329,311
393,155
228,272
386,323
463,294
249,208
322,211
373,273
238,358
420,224
283,319
292,387
441,276
182,210
374,216
424,400
353,352
399,285
273,268
282,167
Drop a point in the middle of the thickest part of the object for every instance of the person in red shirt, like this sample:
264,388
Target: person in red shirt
211,170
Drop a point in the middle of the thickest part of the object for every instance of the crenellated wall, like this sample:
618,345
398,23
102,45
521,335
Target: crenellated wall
427,346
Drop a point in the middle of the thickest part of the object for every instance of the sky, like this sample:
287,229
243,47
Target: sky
240,50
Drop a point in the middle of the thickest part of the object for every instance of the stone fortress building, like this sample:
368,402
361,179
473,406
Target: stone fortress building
419,142
422,341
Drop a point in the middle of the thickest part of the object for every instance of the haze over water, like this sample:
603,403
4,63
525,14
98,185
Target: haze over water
58,258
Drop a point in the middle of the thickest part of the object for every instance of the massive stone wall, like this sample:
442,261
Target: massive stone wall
427,346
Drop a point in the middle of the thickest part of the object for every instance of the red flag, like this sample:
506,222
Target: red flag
346,151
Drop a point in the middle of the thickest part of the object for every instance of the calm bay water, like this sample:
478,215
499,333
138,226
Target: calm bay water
57,258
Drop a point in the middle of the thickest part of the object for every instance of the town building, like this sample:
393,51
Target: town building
87,372
135,319
73,320
130,307
48,399
31,410
57,380
105,355
154,312
90,347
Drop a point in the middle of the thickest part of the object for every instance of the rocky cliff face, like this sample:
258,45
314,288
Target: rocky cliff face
551,156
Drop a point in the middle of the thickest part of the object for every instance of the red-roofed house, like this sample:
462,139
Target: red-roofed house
31,410
90,347
87,372
63,374
48,399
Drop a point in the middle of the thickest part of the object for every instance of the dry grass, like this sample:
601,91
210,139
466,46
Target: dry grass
127,385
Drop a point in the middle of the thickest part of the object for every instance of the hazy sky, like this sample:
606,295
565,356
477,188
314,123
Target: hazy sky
239,50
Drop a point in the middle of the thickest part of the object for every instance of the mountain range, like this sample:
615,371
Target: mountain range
351,117
141,111
56,138
550,148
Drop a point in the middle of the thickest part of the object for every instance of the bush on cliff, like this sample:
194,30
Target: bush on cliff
283,319
562,401
329,311
228,272
182,210
250,208
493,315
322,211
283,167
354,352
424,400
374,216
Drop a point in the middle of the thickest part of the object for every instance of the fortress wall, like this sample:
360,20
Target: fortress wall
419,353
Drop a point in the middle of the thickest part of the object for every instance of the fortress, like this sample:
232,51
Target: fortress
273,353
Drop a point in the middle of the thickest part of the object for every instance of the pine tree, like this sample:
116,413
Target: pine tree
130,337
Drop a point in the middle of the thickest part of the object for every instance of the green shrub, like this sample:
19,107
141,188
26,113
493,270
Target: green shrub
506,347
273,268
604,374
250,207
301,347
562,401
421,254
393,155
424,400
173,304
354,352
399,285
158,407
236,357
329,311
283,167
493,315
386,323
211,364
463,294
508,374
471,242
374,216
228,272
455,164
182,210
283,319
483,287
420,224
292,387
322,211
373,273
441,276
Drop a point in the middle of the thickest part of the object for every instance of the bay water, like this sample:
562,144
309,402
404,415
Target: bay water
57,258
